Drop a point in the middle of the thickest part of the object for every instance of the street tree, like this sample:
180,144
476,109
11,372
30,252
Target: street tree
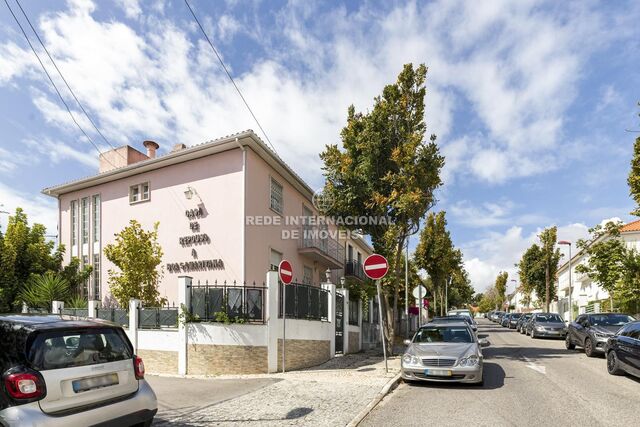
501,288
437,255
76,275
634,177
531,272
386,169
25,252
137,254
551,258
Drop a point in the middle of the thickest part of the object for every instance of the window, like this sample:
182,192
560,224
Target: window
96,218
139,193
84,207
307,277
274,260
354,311
96,277
74,223
276,196
349,253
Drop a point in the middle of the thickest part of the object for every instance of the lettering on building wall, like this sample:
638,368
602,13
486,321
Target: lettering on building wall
194,239
194,213
203,265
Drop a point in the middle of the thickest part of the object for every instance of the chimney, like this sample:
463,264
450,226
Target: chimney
151,147
178,147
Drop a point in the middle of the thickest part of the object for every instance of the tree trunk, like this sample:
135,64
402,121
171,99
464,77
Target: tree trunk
546,287
387,326
396,286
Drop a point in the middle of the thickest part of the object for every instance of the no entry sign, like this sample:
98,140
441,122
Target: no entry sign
285,271
375,266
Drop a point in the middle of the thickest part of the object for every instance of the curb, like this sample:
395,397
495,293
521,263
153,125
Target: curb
388,387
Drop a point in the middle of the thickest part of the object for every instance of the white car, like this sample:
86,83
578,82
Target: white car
58,372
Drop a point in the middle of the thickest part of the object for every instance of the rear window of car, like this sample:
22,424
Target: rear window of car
610,319
548,318
81,347
443,334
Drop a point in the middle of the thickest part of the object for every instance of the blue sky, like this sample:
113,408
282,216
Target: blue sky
530,100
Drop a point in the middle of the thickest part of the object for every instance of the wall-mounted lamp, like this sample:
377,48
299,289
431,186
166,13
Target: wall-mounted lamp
190,192
342,282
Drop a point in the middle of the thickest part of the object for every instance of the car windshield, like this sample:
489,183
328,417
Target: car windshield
543,318
516,315
456,319
438,334
610,319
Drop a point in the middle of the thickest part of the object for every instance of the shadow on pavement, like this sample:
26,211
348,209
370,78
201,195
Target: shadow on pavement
209,420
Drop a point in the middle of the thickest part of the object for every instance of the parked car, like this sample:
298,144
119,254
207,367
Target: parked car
591,331
499,317
495,317
58,372
522,322
546,325
504,321
623,350
513,320
455,319
443,352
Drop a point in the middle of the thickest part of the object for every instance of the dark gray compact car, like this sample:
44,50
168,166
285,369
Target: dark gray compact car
548,325
591,331
623,350
59,372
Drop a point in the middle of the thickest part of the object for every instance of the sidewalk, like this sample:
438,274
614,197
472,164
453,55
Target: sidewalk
331,394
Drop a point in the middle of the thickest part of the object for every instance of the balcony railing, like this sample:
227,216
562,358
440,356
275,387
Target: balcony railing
353,269
318,244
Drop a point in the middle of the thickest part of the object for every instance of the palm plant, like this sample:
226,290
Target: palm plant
42,289
76,301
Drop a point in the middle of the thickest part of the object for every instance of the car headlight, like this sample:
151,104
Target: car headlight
601,335
472,360
539,328
409,359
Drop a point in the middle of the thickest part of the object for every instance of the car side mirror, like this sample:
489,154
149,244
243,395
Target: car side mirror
483,342
407,342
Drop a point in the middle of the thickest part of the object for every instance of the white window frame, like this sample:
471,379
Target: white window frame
142,195
95,214
273,267
96,277
73,207
84,221
278,206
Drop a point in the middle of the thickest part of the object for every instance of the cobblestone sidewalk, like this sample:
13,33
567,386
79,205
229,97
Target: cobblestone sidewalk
331,394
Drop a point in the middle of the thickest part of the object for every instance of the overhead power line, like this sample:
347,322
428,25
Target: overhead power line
63,78
53,84
224,67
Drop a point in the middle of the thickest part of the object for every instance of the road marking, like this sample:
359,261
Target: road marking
532,365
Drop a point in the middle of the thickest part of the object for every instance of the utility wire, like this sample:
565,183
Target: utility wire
228,74
63,79
53,84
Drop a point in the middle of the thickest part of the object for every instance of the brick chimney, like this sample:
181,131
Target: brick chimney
151,147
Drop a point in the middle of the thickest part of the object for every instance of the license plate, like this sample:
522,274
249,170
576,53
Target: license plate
94,382
438,372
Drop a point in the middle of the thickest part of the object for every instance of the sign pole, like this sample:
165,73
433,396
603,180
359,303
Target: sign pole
384,347
284,321
420,304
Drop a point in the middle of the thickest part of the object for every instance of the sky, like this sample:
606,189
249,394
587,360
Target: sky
530,100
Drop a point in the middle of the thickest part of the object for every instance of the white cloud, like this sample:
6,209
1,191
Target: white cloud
131,8
56,151
485,257
156,82
40,209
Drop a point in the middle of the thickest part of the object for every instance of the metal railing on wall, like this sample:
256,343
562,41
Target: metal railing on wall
227,302
157,317
304,302
115,315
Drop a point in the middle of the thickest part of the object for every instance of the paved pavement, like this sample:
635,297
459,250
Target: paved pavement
331,394
527,382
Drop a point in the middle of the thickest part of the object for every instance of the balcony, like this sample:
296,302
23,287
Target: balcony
353,269
317,244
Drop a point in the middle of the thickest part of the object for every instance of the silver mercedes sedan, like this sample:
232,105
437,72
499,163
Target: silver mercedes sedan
444,352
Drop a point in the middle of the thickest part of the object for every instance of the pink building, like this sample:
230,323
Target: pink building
228,209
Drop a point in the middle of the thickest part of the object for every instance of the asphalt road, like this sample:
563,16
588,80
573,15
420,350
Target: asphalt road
527,382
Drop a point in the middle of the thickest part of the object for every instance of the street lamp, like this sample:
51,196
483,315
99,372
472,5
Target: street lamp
568,243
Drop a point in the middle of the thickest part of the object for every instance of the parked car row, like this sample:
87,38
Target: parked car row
614,335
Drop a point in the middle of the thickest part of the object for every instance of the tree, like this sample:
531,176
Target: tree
532,272
634,177
386,170
436,255
76,276
42,289
489,300
501,288
628,289
25,252
137,255
551,258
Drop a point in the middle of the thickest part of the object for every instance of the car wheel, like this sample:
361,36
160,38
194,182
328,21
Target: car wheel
613,367
588,348
533,334
568,343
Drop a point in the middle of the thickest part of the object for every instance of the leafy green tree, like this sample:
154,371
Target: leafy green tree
551,258
137,254
42,289
25,252
501,288
634,177
437,255
386,170
627,291
76,276
532,272
489,300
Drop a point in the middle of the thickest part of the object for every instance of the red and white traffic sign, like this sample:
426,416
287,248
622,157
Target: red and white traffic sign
375,266
285,271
